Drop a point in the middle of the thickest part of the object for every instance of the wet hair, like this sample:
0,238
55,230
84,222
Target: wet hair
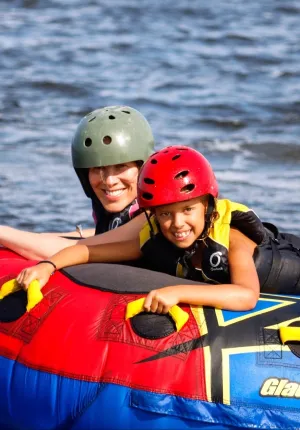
210,200
139,163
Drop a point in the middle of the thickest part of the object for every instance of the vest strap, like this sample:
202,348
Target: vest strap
271,282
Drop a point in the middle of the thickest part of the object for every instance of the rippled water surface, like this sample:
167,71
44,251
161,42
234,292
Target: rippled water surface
221,76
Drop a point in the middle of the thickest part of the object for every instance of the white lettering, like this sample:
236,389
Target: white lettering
269,387
275,387
215,259
115,223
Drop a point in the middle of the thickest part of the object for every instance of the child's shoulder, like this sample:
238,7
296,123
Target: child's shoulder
237,239
228,205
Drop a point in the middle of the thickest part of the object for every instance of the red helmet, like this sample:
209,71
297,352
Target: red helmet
174,174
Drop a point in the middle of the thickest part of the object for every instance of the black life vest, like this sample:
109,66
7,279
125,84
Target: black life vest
106,221
278,262
276,257
166,257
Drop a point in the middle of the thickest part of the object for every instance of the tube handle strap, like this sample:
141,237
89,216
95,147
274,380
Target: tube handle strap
178,315
34,294
289,334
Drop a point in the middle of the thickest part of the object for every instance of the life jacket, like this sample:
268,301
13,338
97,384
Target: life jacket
106,221
163,256
277,262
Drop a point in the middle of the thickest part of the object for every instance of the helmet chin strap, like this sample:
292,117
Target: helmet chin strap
189,252
152,233
208,216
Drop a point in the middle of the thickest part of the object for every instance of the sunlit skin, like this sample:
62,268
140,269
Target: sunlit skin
115,186
183,222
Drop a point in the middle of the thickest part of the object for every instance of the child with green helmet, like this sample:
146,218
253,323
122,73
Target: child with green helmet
109,146
191,234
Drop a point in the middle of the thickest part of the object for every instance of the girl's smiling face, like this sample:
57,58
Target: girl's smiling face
115,186
183,222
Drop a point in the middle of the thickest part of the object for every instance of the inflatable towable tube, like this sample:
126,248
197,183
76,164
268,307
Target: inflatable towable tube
75,362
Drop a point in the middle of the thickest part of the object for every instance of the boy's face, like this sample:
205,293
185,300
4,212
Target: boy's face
182,223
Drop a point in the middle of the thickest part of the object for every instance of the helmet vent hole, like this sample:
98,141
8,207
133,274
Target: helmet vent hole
176,157
88,142
92,119
126,111
153,161
149,181
111,117
187,189
182,174
165,152
106,140
147,196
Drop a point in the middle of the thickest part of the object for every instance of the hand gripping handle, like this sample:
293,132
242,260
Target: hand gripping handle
178,315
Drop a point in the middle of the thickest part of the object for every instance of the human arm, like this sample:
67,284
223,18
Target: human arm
88,232
241,295
80,254
35,246
40,246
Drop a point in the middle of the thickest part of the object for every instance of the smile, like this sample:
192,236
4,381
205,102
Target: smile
114,193
182,234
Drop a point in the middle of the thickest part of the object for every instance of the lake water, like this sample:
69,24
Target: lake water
220,76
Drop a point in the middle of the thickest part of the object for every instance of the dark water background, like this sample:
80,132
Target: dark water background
222,76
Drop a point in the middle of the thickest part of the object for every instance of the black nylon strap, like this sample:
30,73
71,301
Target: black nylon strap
271,282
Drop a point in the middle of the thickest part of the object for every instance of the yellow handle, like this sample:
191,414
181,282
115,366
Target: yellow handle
9,287
179,316
34,294
289,334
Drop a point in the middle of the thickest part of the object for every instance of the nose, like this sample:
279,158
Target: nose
109,176
178,220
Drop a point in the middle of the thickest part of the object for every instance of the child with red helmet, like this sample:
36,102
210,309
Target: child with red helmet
191,234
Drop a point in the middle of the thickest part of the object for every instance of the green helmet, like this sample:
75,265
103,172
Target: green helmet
107,136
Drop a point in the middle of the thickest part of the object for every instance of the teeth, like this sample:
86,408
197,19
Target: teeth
114,193
182,234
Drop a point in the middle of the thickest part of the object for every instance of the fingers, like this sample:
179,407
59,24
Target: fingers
148,301
165,309
159,308
23,277
154,302
151,301
26,277
39,273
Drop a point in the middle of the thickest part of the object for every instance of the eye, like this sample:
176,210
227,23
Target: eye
95,169
165,214
121,167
